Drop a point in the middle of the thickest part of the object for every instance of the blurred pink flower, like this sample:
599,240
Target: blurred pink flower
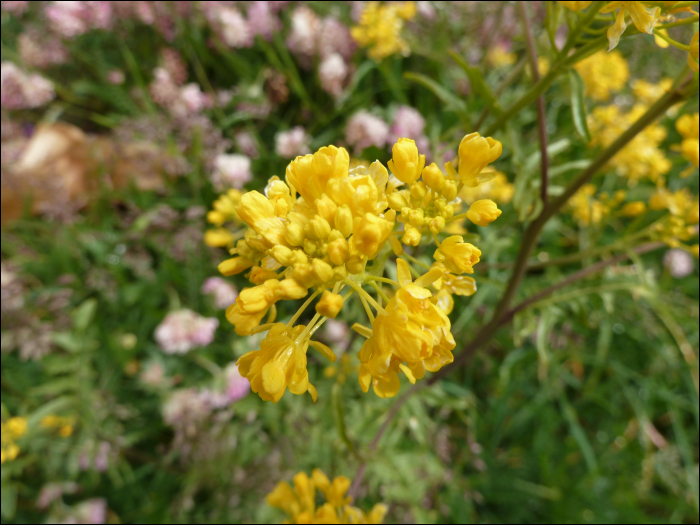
185,330
186,407
93,511
262,19
41,50
334,37
115,76
21,90
15,7
73,18
336,334
153,375
236,387
292,143
408,123
365,130
303,35
223,292
679,263
246,143
333,72
173,63
232,27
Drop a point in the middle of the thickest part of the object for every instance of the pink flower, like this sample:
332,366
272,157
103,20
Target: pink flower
153,375
91,511
73,18
246,143
41,50
365,130
303,36
262,20
17,8
679,263
408,123
115,76
223,292
334,37
333,72
193,99
186,407
292,143
233,28
337,334
237,387
184,330
22,91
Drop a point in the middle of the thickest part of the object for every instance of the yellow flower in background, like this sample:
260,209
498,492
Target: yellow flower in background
644,19
693,53
10,431
648,92
64,425
642,157
498,56
380,28
633,209
603,74
688,127
575,6
497,189
299,503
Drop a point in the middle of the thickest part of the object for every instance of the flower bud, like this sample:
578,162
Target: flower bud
397,200
419,190
294,234
437,224
234,266
218,238
433,177
475,153
338,251
632,209
343,220
330,304
483,212
406,163
449,190
356,263
318,228
411,237
282,255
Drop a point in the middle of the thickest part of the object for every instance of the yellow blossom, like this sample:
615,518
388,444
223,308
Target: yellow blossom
647,92
576,6
330,304
687,126
380,28
279,364
643,18
475,153
632,209
235,266
603,74
10,431
695,250
406,163
410,330
497,189
218,238
299,503
693,53
483,212
457,256
499,56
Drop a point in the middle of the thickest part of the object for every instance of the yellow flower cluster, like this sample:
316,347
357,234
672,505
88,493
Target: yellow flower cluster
10,432
320,227
643,17
63,425
224,212
681,225
380,28
299,503
589,209
687,126
497,189
641,157
603,74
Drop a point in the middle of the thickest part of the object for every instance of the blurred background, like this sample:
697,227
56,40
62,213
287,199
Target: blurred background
123,122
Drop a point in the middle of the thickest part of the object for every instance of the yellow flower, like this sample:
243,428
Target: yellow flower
252,303
632,209
475,153
300,505
576,6
643,18
688,127
330,304
695,250
497,189
693,53
455,284
498,56
218,238
309,175
603,74
647,92
10,431
279,364
235,266
410,330
456,255
483,212
17,427
406,163
380,28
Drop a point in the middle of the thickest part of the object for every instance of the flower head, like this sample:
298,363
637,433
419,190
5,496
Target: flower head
457,256
184,330
483,212
380,28
475,153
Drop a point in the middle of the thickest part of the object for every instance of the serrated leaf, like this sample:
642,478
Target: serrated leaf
578,105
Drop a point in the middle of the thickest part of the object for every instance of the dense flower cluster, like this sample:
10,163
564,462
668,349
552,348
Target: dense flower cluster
299,503
10,432
320,228
184,330
380,28
603,74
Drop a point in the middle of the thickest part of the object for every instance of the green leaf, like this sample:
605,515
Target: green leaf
67,341
451,101
478,83
9,500
578,105
84,314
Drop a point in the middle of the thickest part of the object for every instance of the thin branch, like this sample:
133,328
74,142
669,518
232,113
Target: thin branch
541,115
